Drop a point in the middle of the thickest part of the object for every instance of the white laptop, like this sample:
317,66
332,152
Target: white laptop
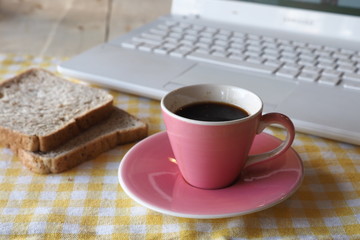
301,57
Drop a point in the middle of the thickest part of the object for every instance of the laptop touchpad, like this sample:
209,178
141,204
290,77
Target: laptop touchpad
271,92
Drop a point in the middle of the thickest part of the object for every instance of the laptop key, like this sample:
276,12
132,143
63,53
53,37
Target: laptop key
203,50
355,57
163,49
180,52
219,53
271,56
346,62
157,31
351,77
130,45
308,76
331,73
147,47
254,59
287,73
307,63
312,69
326,65
237,56
326,59
146,40
293,66
243,65
272,62
307,57
341,56
352,85
347,69
152,36
327,80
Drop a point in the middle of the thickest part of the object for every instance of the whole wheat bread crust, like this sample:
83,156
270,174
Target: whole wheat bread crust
45,163
74,128
15,139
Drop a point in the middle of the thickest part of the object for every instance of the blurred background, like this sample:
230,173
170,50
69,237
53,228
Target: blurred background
63,28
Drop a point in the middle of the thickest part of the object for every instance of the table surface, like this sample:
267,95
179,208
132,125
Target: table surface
68,27
88,202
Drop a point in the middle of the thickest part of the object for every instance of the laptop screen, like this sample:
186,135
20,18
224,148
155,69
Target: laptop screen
349,7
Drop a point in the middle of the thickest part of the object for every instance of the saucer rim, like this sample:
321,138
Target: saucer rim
201,216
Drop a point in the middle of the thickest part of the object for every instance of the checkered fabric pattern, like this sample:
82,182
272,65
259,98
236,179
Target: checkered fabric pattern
87,202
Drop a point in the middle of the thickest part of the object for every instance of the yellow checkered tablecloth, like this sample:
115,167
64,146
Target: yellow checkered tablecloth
87,202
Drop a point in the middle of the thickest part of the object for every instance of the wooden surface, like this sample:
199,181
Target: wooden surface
68,27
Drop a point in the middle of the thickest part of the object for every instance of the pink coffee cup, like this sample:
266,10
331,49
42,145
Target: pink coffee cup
212,154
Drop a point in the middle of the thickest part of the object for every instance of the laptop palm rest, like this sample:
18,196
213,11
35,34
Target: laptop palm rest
122,69
306,103
272,93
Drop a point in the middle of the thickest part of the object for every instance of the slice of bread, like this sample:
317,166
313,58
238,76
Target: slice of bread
39,110
119,128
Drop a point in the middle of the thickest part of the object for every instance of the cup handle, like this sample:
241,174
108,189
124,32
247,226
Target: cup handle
265,121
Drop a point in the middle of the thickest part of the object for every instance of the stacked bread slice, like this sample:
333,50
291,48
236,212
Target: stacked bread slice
54,124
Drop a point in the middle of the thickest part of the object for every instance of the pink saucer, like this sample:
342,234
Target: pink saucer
148,176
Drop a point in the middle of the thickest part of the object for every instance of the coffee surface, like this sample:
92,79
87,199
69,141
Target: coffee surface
211,111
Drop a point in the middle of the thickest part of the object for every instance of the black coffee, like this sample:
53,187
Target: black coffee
211,111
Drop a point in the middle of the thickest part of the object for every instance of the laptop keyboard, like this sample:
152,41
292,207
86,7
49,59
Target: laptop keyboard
293,60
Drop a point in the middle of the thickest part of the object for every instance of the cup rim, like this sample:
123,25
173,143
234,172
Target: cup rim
210,123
